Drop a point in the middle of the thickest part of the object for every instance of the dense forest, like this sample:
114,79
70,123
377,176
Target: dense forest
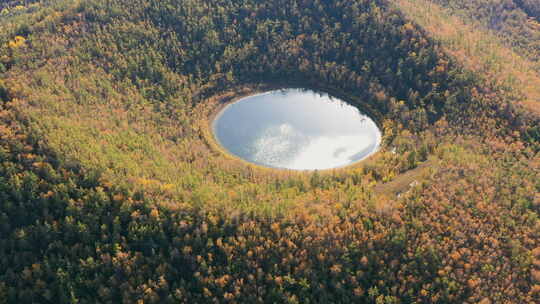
112,188
517,21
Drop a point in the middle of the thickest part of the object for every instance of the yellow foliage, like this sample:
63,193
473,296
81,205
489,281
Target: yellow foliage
39,164
167,187
408,28
148,182
154,213
535,275
17,42
47,195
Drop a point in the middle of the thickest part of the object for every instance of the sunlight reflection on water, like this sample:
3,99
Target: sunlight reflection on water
296,129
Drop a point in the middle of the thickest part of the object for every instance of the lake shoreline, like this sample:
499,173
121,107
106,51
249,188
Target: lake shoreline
218,103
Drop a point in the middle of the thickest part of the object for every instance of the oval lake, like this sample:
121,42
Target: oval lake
296,129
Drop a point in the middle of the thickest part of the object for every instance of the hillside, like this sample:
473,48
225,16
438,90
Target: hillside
497,39
113,189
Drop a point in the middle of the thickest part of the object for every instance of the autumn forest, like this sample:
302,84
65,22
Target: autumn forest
114,190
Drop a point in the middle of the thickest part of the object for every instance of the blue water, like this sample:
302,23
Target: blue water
296,129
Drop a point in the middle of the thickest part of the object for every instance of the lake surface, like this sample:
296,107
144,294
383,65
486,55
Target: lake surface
296,129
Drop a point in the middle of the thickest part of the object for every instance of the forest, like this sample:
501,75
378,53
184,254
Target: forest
113,190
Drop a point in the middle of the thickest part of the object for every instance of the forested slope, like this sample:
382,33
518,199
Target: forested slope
497,39
515,20
112,189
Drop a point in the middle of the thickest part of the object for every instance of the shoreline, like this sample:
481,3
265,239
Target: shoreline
220,102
